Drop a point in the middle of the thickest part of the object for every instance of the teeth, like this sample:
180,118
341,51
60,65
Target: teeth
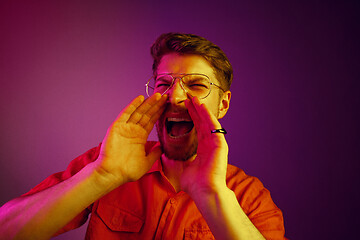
178,119
169,123
175,137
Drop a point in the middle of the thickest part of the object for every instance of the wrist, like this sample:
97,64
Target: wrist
209,191
104,180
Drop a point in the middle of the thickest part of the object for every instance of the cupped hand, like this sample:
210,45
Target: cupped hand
207,172
122,155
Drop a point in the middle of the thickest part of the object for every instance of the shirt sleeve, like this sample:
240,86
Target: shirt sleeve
257,203
74,167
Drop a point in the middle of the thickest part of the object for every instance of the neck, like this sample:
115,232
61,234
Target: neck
173,170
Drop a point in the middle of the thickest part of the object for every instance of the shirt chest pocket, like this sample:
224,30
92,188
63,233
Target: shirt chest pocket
198,234
119,220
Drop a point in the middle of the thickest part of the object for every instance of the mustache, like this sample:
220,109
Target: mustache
169,108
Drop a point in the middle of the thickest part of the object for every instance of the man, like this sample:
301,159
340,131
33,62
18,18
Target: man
180,188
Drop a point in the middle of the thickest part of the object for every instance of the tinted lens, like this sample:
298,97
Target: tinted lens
196,85
158,85
149,87
162,83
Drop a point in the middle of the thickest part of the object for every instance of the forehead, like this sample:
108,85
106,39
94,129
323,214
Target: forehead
185,64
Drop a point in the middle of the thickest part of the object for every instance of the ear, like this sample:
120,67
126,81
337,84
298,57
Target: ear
224,104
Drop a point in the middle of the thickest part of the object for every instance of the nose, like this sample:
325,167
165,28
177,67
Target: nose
176,93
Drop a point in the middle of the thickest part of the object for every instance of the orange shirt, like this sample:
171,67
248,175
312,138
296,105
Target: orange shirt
151,209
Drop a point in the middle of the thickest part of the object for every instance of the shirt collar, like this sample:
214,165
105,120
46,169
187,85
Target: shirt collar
156,167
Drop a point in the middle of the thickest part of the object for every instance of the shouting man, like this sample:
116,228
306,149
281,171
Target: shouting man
181,187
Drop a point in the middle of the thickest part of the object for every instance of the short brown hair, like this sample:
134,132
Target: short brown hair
193,44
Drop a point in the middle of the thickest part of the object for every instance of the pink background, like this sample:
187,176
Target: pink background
67,68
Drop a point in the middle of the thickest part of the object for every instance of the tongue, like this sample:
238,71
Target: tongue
181,128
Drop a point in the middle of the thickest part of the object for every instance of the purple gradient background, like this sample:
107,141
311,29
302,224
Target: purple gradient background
67,68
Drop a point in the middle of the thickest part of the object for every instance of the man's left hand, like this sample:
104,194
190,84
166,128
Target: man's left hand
207,172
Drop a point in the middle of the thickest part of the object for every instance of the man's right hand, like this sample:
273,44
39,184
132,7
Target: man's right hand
122,159
122,156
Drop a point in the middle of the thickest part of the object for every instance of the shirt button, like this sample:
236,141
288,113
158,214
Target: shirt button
172,200
115,221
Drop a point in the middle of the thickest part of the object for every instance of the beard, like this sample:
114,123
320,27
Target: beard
176,152
179,152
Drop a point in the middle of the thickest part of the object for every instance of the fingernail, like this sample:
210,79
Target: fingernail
196,100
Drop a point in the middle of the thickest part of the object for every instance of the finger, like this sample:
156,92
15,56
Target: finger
143,108
206,120
208,117
158,107
200,123
149,126
205,115
193,113
129,109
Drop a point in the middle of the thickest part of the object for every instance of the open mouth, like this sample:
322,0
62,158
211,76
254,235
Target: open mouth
178,127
